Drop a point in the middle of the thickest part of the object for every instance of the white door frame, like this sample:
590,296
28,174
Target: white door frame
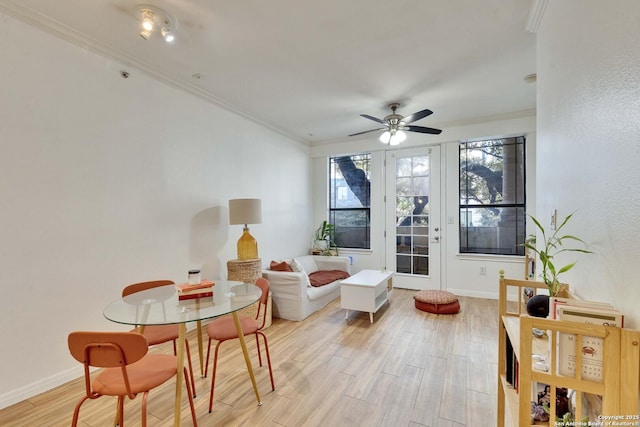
431,280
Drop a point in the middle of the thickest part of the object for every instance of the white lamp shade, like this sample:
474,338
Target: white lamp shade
245,211
385,137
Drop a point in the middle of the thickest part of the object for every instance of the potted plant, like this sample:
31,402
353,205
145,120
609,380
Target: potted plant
550,246
324,239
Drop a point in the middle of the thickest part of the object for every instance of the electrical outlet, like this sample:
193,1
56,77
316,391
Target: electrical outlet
483,271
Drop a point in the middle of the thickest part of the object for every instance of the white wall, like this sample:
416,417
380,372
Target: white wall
589,140
460,274
108,181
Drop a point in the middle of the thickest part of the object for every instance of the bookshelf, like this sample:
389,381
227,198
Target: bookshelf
621,364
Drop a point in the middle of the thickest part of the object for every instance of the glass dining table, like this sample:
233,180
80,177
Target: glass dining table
160,306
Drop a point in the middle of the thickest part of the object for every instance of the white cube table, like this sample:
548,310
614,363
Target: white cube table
366,291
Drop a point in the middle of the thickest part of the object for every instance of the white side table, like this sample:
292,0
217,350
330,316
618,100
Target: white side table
366,291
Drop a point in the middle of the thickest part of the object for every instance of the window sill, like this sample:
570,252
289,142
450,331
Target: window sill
516,259
342,251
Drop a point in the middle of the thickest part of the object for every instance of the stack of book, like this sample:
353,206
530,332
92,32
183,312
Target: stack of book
200,290
590,348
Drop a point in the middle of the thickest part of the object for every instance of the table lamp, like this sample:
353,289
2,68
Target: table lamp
246,211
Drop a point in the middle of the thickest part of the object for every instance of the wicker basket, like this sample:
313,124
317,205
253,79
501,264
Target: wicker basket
244,270
248,271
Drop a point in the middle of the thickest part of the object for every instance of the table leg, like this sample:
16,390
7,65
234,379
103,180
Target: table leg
243,344
200,347
179,375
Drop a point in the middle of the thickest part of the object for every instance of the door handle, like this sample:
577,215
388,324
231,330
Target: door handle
436,237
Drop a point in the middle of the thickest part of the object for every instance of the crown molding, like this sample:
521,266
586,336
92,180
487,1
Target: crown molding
73,36
536,14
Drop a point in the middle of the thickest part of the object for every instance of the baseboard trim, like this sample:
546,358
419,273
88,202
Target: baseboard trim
33,389
473,294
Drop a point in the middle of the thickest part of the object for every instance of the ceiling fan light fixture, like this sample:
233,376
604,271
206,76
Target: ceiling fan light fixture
395,125
393,137
397,137
385,137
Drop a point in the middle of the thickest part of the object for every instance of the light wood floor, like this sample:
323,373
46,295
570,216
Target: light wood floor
408,368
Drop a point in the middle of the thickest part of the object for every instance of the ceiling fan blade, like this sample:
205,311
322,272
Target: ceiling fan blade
375,119
417,116
423,129
366,131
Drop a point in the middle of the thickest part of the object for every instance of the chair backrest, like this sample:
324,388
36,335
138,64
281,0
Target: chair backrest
264,285
143,286
107,349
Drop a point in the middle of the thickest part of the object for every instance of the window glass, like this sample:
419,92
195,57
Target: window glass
492,196
349,199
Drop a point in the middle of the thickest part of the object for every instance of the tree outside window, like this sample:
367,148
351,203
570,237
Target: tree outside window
492,196
350,200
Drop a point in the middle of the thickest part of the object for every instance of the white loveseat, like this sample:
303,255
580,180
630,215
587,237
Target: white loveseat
292,294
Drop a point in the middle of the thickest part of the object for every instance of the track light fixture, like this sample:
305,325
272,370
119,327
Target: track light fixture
167,34
150,17
145,34
147,20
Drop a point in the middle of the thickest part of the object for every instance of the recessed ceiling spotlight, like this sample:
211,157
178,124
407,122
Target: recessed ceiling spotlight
531,78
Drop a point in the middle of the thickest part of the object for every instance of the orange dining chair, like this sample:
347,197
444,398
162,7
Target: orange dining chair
224,328
158,334
128,368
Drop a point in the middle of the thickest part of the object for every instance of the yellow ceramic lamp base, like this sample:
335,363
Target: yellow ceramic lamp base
247,246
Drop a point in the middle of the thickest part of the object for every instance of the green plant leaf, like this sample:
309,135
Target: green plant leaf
550,246
566,268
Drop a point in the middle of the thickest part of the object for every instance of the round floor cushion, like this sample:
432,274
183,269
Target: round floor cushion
437,301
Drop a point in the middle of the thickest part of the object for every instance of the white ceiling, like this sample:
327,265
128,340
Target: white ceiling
310,68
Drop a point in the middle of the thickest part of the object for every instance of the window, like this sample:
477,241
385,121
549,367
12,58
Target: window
492,196
349,200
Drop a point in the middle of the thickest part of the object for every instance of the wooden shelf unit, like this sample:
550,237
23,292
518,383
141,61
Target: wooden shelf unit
621,367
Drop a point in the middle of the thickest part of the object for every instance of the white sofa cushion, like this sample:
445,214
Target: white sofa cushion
307,263
315,293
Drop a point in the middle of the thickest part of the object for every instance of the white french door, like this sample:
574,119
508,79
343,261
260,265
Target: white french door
412,212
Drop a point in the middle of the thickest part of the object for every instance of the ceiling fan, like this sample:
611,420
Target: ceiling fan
395,125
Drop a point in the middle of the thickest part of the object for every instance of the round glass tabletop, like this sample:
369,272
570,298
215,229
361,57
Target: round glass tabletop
160,306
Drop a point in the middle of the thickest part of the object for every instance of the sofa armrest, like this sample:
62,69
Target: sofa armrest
285,278
288,292
292,284
333,263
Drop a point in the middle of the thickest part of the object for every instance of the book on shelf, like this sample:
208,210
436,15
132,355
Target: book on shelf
556,302
512,366
184,288
509,367
590,348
